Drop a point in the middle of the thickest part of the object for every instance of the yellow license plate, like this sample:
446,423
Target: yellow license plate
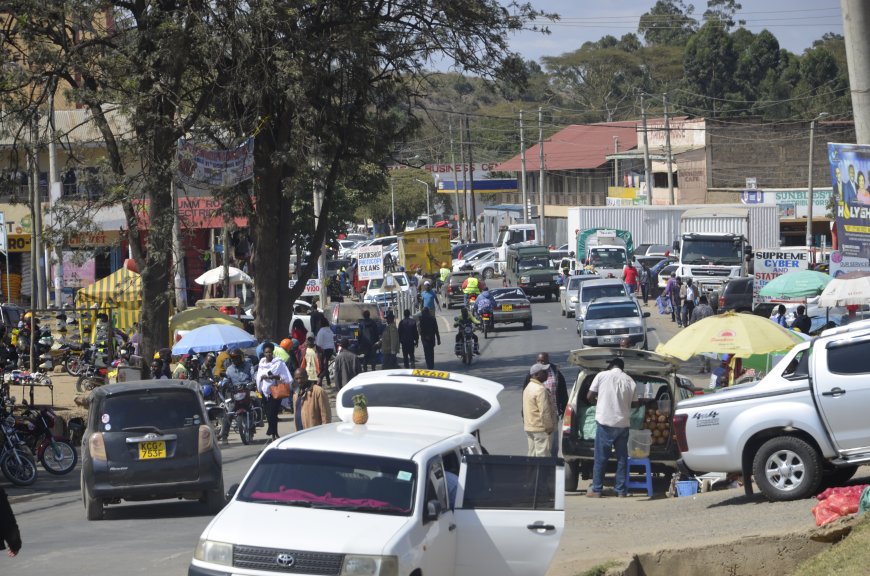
356,333
507,307
152,450
430,373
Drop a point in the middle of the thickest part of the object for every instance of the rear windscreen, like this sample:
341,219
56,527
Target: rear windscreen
355,313
613,291
163,409
429,398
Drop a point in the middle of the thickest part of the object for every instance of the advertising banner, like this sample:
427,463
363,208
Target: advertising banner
841,264
772,263
850,170
371,262
204,168
312,287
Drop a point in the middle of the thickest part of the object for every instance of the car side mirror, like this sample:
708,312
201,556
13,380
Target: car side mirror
433,511
232,492
646,314
676,245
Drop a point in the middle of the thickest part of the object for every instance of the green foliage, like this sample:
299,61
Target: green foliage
710,64
668,23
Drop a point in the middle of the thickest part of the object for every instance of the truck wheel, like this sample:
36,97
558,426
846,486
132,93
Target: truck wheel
572,475
787,468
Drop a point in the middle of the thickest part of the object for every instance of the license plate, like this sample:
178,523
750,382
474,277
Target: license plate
356,333
507,307
152,450
543,283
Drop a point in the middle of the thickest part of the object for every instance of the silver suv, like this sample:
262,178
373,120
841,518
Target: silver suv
609,320
603,288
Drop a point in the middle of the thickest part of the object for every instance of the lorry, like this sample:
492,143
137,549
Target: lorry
424,248
713,248
607,250
513,235
529,267
801,427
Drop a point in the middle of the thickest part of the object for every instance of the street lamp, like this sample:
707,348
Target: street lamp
810,183
426,184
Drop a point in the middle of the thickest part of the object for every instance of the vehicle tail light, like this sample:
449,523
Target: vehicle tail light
97,446
680,421
206,438
521,306
721,301
450,289
566,420
103,371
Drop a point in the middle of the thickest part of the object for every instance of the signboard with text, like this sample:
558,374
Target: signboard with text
371,262
841,264
772,263
312,287
850,170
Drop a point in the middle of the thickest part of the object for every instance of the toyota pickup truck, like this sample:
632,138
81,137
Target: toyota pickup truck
801,427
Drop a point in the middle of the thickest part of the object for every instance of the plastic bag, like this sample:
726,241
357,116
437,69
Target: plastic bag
864,502
590,426
663,304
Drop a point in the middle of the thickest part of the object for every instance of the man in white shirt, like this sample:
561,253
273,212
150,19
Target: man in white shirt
614,394
325,342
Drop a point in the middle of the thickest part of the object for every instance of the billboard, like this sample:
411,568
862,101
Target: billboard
772,263
850,171
371,262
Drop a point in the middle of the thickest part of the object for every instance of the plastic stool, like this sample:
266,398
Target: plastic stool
647,483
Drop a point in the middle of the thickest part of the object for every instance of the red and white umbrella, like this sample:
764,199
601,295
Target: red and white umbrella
851,289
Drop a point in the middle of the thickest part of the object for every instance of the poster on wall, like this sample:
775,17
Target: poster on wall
850,171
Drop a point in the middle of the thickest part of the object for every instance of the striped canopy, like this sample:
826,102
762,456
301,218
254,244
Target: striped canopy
119,294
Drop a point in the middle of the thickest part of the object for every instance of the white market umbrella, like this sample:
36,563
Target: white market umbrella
216,276
852,289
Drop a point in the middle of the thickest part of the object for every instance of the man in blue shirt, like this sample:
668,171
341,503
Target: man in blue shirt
430,297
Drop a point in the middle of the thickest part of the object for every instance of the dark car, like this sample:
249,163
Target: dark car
451,290
511,305
344,317
468,247
736,295
149,440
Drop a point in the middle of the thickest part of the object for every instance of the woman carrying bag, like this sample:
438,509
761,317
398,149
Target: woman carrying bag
273,381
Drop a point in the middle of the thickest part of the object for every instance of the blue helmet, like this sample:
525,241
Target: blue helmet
207,390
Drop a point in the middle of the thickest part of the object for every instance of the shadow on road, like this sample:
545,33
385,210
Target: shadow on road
156,510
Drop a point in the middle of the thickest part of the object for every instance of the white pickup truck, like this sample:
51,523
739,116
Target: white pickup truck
803,425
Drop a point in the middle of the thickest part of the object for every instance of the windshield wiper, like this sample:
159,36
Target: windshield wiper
371,509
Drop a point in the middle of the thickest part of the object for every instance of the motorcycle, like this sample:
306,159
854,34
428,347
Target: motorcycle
241,410
16,459
486,322
91,377
35,427
215,408
465,346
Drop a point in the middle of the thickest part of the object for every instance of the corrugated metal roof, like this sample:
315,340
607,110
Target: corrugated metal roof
577,147
74,127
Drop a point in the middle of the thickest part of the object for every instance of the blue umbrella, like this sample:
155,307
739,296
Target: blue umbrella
213,338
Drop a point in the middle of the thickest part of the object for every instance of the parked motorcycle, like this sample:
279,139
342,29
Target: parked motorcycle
91,377
16,459
35,427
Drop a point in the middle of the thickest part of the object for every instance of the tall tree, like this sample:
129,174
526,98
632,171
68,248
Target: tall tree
710,62
724,12
668,23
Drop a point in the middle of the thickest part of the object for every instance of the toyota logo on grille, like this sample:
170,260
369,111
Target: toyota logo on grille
285,560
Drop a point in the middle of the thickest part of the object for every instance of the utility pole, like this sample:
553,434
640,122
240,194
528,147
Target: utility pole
810,182
36,222
321,260
856,20
616,162
668,152
541,174
474,237
464,179
523,171
459,211
647,168
54,194
177,252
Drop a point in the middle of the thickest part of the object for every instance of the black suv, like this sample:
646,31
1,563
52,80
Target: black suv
149,440
736,295
451,290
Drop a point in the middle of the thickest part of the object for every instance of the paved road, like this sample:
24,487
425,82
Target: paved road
158,538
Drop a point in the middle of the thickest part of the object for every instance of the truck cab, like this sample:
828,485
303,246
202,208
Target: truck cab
529,267
711,259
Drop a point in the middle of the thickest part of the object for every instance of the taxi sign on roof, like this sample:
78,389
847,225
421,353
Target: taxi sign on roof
430,373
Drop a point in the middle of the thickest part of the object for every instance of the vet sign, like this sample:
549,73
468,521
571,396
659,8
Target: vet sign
370,260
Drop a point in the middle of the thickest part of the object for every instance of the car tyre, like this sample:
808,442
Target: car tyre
803,469
488,273
527,325
93,506
572,475
214,499
562,310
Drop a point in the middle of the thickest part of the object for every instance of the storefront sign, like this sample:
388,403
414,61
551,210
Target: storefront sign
841,264
196,213
95,238
772,263
371,262
19,242
850,167
312,287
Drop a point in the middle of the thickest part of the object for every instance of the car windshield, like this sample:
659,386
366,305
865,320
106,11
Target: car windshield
609,291
608,257
354,312
709,251
605,311
377,283
332,480
574,283
534,263
507,293
658,249
162,409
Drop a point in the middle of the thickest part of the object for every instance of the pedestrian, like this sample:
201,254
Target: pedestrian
157,371
271,371
325,342
539,412
672,294
614,394
310,361
558,390
316,319
801,321
720,375
429,335
369,334
702,310
10,536
181,371
645,279
409,338
310,402
289,346
347,364
299,333
443,274
429,297
390,342
629,276
779,316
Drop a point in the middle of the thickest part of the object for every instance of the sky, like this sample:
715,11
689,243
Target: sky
795,23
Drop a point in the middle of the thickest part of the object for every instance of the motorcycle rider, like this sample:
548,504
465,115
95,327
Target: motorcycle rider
460,322
443,273
240,371
484,303
471,286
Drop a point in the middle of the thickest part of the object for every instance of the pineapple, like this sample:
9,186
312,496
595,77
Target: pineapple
360,412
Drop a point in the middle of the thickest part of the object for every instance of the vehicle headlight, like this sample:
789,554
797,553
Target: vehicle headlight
524,279
573,300
638,330
214,552
359,565
589,332
555,277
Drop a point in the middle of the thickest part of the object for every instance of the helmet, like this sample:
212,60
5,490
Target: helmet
444,264
156,356
27,316
286,344
235,353
207,390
